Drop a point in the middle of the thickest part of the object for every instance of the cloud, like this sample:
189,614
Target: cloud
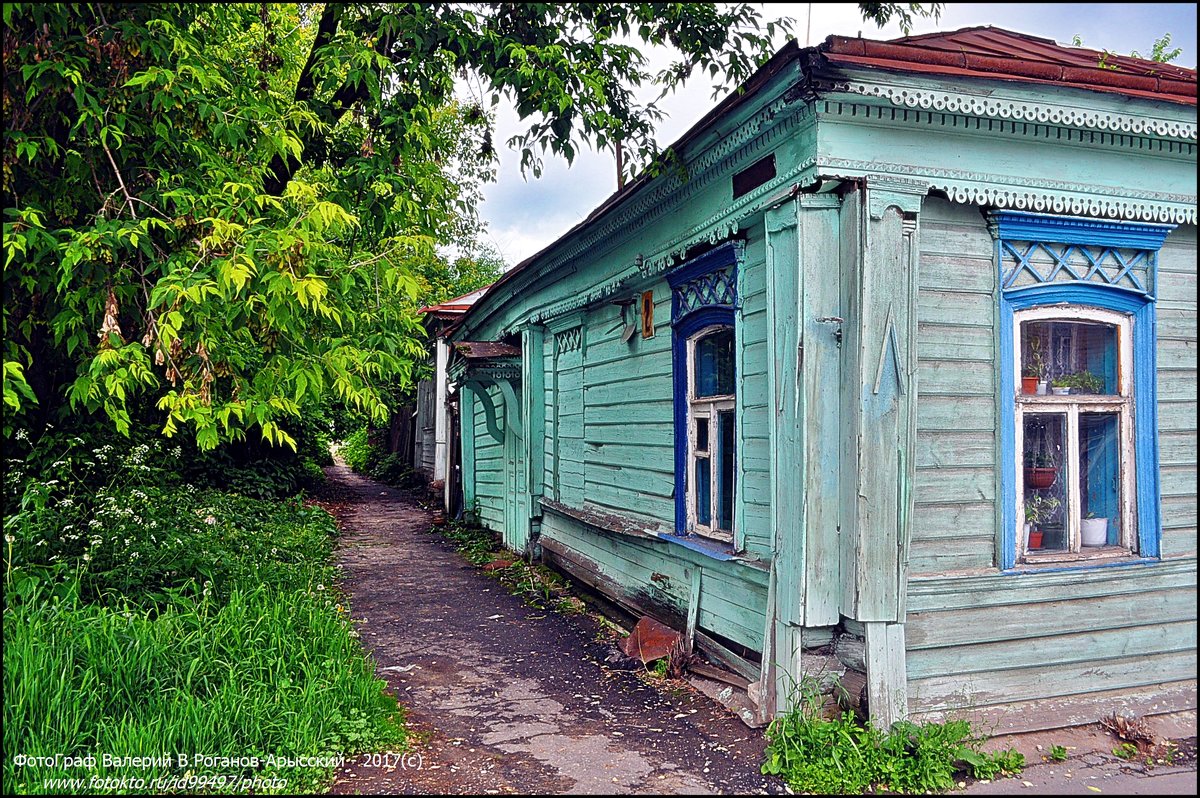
526,216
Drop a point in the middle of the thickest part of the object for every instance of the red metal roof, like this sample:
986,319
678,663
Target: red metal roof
458,305
998,54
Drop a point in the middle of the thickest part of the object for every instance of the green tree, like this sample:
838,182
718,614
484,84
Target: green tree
224,210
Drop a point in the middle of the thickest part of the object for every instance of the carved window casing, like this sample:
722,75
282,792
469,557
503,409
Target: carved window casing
704,302
1078,399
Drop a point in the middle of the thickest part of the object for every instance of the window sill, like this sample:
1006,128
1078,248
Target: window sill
1098,556
718,550
610,523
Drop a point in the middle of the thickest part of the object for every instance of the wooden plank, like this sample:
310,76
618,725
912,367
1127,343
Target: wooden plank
925,559
936,521
936,485
1045,619
955,307
1076,710
1046,681
1175,415
1060,649
1179,511
1177,385
1178,480
957,378
963,414
946,593
955,449
953,340
957,271
887,685
689,636
1176,353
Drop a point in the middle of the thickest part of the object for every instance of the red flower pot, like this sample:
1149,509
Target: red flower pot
1040,477
1035,540
1029,384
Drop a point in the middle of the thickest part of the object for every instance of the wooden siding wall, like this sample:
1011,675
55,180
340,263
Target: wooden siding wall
489,468
986,641
733,597
954,520
424,446
754,486
1176,317
627,452
610,441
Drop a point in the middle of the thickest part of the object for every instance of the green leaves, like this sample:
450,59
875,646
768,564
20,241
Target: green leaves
225,215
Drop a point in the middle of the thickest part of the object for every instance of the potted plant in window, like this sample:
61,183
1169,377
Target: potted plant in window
1083,382
1035,367
1094,531
1038,510
1061,386
1040,471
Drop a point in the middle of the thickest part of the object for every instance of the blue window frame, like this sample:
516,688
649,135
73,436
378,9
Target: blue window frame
704,341
1079,439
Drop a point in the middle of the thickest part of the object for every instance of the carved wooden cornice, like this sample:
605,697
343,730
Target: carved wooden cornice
1030,194
1044,111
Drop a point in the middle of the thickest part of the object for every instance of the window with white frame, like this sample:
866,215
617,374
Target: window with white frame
1074,431
711,432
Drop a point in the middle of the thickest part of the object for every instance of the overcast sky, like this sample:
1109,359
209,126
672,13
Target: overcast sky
523,216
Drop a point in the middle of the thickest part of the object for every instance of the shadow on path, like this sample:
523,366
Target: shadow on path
506,698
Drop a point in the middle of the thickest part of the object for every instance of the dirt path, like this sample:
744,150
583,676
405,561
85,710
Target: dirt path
505,698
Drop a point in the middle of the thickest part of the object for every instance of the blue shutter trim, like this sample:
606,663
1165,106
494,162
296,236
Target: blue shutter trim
686,321
1145,403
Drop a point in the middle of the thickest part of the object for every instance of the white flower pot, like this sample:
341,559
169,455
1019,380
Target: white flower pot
1094,531
1043,388
1060,391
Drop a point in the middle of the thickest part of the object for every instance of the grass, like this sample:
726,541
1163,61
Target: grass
183,622
840,755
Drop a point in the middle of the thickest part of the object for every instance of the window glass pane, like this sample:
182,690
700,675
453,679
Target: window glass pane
1099,478
725,451
703,493
714,364
701,434
1075,357
1045,482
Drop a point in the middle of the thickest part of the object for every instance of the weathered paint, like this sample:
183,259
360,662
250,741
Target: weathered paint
873,507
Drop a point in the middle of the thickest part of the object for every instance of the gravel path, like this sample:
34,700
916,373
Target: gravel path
505,698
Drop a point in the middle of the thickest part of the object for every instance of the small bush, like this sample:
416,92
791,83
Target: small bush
373,460
840,755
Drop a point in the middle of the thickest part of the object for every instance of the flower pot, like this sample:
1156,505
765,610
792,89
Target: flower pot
1094,531
1040,477
1029,384
1043,388
1035,539
1060,391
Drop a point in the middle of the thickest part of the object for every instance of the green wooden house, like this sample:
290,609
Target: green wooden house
894,379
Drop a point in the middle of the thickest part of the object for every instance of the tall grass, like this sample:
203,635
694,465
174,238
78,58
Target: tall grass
186,622
266,672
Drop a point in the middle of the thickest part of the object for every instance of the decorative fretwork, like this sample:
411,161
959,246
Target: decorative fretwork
568,340
714,289
1027,263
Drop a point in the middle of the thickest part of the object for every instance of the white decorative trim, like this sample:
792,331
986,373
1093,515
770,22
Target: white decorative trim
1046,196
1040,112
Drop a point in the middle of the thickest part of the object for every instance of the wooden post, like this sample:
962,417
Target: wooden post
878,413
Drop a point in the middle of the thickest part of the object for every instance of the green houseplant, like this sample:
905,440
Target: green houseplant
1038,510
1035,367
1082,382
